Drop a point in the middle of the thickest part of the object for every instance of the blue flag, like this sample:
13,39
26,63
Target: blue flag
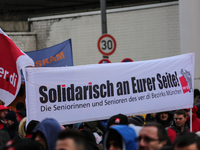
56,56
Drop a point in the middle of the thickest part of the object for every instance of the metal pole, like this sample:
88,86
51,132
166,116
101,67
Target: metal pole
103,19
190,119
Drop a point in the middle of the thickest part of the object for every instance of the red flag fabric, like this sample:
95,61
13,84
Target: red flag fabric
12,60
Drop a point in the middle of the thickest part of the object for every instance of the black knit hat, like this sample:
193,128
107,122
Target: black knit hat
137,120
31,125
11,116
118,119
20,106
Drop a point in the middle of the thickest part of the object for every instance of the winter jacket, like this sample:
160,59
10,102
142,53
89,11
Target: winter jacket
195,123
21,129
12,129
127,133
50,129
1,125
195,120
198,111
174,131
4,138
20,114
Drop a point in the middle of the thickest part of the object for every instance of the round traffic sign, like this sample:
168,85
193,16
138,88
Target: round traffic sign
104,61
106,44
127,60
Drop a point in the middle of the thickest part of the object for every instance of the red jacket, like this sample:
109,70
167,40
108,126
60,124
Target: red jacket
28,136
195,123
19,117
173,131
20,114
1,125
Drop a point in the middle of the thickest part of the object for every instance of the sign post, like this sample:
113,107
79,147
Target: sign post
103,19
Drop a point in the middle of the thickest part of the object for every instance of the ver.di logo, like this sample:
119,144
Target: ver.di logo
186,81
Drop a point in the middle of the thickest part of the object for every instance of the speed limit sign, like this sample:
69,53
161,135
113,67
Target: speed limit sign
106,44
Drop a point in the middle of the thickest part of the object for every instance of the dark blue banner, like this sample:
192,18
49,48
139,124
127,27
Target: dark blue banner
56,56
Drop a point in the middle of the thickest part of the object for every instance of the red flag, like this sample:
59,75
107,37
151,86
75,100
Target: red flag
12,60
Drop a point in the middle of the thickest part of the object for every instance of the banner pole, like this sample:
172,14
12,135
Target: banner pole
190,119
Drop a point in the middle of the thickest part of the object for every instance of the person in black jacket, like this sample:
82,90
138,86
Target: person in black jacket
11,124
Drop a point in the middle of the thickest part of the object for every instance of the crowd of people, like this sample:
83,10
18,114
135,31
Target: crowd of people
169,130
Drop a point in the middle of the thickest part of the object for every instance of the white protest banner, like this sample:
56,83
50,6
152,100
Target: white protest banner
95,92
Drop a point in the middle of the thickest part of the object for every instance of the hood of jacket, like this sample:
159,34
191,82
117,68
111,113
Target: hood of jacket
50,128
128,135
194,115
166,123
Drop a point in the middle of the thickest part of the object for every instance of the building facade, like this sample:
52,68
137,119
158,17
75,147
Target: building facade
141,32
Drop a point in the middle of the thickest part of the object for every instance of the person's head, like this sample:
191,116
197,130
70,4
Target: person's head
152,136
163,116
187,141
3,111
70,140
31,125
120,137
23,144
196,93
196,96
90,138
114,141
187,111
46,133
20,106
39,137
180,118
119,119
10,118
137,120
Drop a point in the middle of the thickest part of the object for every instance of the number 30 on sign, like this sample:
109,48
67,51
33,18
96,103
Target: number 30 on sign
106,44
